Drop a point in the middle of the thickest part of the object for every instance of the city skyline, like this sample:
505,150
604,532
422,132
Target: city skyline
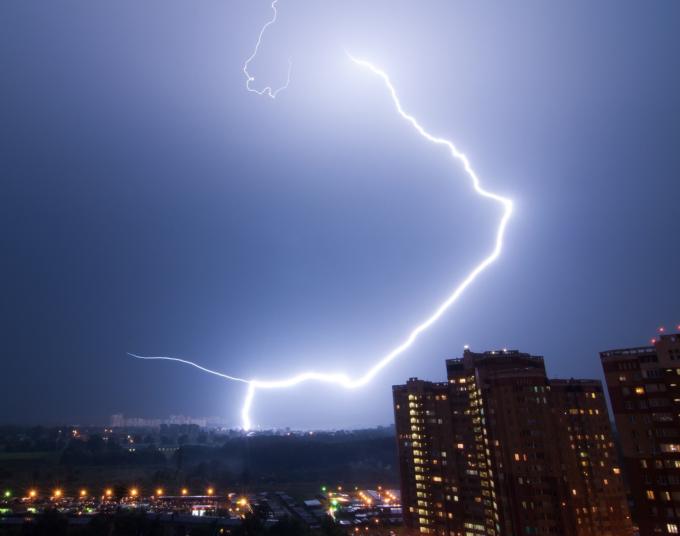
501,448
498,447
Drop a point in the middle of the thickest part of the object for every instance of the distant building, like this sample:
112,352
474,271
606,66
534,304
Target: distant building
497,451
117,420
644,388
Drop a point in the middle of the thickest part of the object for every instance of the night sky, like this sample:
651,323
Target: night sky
150,204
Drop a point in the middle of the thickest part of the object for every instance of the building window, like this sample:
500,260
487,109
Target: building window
650,494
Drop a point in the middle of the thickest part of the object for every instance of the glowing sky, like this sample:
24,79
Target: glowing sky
150,204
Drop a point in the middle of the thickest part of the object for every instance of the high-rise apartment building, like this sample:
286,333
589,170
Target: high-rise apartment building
426,448
644,388
496,450
596,496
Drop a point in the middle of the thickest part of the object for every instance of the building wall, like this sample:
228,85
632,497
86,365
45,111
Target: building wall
596,492
525,457
643,386
429,481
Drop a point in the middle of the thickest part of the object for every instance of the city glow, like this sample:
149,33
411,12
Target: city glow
340,378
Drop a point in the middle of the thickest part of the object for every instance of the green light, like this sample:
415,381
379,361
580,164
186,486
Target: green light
323,488
8,494
334,502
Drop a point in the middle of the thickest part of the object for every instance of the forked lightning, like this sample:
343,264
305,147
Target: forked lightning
268,91
339,378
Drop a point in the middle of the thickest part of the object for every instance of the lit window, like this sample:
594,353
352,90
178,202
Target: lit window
672,528
650,494
639,390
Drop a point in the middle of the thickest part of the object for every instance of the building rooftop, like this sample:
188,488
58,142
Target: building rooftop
640,350
627,352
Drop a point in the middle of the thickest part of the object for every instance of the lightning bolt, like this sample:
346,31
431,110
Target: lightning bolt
268,91
338,378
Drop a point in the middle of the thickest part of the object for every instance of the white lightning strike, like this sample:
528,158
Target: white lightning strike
343,379
249,78
199,367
